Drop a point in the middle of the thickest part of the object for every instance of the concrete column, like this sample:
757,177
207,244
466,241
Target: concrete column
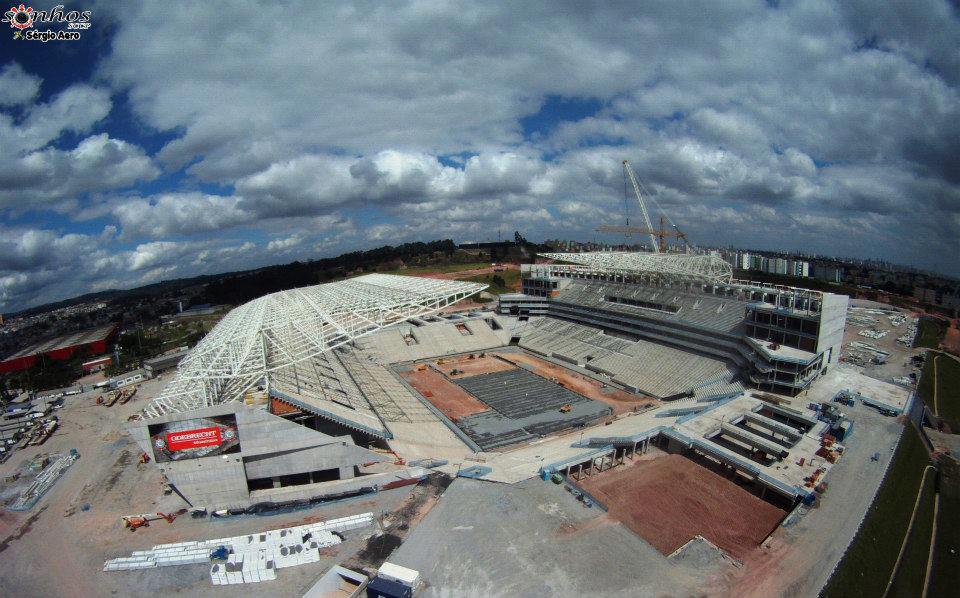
346,473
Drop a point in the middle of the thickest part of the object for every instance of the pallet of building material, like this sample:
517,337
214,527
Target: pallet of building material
249,558
43,482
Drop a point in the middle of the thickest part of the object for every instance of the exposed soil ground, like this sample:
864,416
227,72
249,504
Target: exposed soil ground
951,340
466,273
58,548
467,367
446,396
621,401
670,500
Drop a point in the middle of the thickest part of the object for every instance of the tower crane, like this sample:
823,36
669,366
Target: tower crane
658,236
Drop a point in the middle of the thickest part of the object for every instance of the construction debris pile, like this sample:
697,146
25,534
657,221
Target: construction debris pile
907,339
250,558
870,319
51,467
860,353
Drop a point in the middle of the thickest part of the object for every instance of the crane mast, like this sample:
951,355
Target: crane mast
658,236
643,207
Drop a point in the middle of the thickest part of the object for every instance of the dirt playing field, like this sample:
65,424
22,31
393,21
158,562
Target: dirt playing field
619,400
668,501
446,396
467,367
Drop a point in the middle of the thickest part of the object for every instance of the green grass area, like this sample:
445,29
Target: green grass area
500,282
931,333
945,576
865,568
948,391
947,385
913,568
926,383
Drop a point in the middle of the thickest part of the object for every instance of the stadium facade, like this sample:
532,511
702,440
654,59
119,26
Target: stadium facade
775,338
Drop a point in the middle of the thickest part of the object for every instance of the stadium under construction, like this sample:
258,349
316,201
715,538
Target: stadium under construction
694,409
337,388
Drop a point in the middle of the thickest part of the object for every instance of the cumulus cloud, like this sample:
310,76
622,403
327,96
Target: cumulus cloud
41,265
17,86
284,245
830,128
47,177
38,174
75,109
178,214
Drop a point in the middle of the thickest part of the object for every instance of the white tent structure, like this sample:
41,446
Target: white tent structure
708,268
281,332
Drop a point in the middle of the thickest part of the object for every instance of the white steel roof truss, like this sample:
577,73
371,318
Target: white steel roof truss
289,327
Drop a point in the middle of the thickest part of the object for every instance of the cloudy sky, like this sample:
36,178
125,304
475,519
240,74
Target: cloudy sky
173,141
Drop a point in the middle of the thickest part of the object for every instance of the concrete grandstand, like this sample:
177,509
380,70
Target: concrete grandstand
777,338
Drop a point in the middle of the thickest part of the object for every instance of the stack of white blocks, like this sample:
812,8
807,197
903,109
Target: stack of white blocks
253,558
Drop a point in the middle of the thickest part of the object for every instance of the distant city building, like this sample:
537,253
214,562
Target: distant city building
827,273
798,268
781,266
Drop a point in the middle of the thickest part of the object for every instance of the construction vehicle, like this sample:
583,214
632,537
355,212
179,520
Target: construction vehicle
658,236
135,522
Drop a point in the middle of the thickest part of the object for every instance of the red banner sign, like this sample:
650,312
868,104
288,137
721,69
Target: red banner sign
189,439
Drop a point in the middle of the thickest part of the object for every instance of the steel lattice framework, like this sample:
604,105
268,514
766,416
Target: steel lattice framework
289,327
708,268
